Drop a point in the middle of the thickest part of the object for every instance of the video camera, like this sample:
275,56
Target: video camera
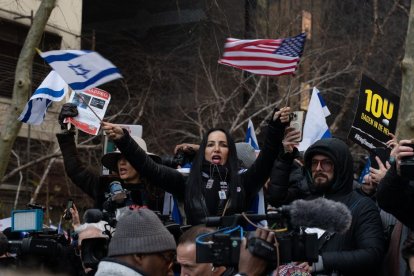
31,242
223,246
179,159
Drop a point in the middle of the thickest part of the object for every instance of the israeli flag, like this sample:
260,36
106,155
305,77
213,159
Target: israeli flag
81,69
53,88
258,205
365,171
251,136
315,127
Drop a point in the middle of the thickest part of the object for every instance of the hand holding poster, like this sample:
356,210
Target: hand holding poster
88,120
376,115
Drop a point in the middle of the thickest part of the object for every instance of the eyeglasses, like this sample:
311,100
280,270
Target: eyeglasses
325,164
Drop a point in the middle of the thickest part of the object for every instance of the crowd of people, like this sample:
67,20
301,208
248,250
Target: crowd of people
222,182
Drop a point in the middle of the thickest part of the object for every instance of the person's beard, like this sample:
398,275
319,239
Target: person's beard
321,182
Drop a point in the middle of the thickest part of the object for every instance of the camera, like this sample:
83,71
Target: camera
33,244
93,251
223,248
407,165
181,158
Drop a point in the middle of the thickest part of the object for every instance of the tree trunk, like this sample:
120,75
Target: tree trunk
22,82
405,125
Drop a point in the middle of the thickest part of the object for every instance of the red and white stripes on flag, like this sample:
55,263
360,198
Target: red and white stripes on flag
269,57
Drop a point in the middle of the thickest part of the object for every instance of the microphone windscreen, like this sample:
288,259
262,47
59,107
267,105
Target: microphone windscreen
92,216
321,213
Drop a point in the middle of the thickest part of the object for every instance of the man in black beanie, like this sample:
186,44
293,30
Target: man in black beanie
141,245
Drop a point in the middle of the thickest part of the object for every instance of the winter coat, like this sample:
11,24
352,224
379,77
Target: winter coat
287,181
175,183
112,267
95,185
395,195
360,250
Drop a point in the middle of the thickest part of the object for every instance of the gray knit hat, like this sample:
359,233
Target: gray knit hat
246,154
140,231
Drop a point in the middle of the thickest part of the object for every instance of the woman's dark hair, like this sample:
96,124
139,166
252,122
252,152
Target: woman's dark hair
194,182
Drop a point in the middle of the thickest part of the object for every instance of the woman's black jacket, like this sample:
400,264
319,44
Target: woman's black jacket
175,183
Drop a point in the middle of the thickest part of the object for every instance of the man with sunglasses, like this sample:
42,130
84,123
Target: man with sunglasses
328,173
141,245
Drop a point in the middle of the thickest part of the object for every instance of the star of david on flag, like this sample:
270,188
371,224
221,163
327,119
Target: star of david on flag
80,69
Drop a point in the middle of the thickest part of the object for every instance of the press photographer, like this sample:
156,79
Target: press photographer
182,158
222,247
91,238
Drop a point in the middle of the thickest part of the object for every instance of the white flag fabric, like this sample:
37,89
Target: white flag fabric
258,205
251,136
81,69
53,88
315,127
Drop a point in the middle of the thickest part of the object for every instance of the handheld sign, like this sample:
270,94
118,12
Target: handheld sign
92,105
376,115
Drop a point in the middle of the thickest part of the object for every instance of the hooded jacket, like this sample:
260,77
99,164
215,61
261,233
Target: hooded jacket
360,250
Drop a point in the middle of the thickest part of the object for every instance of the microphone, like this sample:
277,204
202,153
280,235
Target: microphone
92,216
117,193
321,213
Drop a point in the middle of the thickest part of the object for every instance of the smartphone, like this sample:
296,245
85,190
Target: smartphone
382,153
68,214
296,121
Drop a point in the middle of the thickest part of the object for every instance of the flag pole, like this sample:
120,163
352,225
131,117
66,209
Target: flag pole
288,92
84,101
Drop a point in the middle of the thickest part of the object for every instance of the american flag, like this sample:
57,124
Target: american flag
269,57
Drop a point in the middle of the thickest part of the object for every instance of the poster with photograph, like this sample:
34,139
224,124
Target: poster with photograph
92,105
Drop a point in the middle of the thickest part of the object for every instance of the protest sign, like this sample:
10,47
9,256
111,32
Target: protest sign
88,120
376,115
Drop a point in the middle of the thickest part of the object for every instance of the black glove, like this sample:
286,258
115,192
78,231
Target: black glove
68,110
277,123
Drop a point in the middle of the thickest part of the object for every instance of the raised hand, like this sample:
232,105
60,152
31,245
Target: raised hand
113,131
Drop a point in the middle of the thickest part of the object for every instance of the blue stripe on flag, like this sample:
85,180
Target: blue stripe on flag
102,74
28,112
50,92
365,171
327,134
176,215
62,57
323,104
